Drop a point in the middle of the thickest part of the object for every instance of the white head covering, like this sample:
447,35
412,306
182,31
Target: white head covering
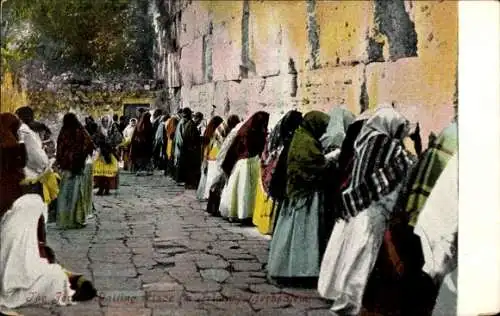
23,273
386,121
437,224
340,119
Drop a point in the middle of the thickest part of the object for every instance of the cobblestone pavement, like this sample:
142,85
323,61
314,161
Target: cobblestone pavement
151,250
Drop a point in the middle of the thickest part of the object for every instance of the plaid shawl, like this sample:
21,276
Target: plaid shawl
429,169
381,161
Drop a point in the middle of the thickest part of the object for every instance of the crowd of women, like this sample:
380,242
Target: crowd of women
354,205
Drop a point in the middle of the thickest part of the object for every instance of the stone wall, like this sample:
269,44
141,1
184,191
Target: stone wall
242,56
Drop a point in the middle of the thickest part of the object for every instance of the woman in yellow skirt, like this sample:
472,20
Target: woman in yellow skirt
105,169
271,184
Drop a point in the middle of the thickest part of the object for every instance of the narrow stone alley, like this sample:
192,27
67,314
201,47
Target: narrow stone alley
152,250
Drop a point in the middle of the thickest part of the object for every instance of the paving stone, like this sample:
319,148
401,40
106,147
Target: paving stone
127,311
163,299
246,266
116,283
230,254
234,293
79,309
270,300
163,286
203,236
183,312
231,307
264,288
281,312
218,275
206,286
310,302
195,256
231,237
122,258
113,270
34,311
208,296
320,312
213,264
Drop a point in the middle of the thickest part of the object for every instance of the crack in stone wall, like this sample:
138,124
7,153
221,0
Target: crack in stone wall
313,34
394,22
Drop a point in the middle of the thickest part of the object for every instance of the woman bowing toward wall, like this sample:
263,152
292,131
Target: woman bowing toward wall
241,165
295,247
380,165
209,152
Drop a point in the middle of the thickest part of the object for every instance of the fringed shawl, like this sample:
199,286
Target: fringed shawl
428,170
225,128
274,157
249,142
381,161
306,162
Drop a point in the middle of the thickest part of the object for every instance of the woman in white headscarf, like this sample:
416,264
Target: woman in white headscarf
437,227
25,277
381,163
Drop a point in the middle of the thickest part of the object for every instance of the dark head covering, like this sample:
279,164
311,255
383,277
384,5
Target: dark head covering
12,161
284,129
249,141
274,158
144,126
26,114
74,145
306,162
187,113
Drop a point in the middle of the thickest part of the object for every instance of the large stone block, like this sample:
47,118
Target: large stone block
423,92
266,42
293,18
323,88
192,63
226,39
198,98
343,31
436,24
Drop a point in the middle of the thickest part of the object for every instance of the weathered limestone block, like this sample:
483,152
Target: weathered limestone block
198,98
191,63
343,31
320,89
436,24
266,42
294,23
188,26
227,39
420,90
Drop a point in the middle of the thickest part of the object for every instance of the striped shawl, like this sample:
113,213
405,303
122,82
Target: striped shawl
380,165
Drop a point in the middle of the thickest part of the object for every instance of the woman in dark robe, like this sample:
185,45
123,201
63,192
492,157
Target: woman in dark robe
187,152
209,153
141,147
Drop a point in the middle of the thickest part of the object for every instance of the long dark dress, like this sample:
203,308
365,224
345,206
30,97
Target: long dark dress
188,154
141,147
